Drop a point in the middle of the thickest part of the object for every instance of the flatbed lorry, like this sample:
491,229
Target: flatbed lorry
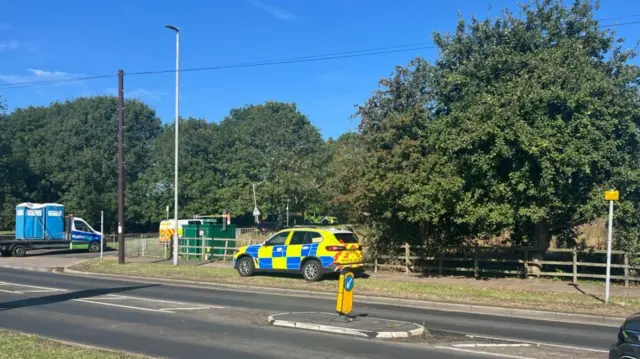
45,226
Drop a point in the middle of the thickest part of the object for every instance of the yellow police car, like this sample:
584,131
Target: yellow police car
310,251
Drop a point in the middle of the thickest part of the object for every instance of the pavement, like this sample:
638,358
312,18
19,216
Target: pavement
176,321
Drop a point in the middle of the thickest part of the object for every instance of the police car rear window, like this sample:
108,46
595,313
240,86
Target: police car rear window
346,237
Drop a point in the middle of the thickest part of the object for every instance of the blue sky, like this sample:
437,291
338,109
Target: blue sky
44,40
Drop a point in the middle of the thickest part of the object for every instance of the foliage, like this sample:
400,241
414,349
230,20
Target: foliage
68,151
277,148
519,126
199,180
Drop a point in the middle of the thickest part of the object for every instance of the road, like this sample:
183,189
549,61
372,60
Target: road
185,322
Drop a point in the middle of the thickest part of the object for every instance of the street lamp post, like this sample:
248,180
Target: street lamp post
177,119
256,212
287,212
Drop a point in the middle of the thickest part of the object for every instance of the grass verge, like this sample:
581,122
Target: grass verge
417,290
18,346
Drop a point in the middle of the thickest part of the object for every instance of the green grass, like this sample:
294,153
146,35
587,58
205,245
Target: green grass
14,345
417,289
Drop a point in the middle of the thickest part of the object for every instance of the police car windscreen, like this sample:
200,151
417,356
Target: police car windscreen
346,237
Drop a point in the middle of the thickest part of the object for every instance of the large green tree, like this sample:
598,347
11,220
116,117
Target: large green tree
69,150
199,180
276,147
519,125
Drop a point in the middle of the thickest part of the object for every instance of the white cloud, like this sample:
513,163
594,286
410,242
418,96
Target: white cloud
37,75
274,11
9,45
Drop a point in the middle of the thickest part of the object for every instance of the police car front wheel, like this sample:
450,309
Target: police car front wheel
245,266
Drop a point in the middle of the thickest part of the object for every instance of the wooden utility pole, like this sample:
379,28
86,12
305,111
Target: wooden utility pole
120,167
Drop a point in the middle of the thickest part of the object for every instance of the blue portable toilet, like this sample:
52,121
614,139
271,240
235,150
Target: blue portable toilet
54,219
20,214
35,221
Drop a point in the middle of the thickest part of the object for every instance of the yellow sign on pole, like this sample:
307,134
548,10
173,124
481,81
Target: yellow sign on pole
611,195
344,303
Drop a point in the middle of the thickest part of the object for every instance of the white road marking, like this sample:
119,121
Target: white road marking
168,306
540,343
121,306
487,345
108,299
163,301
10,291
28,288
483,353
191,308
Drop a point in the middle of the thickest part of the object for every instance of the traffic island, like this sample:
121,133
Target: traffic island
361,326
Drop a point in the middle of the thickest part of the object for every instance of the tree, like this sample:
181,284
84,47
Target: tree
519,126
70,152
199,180
275,146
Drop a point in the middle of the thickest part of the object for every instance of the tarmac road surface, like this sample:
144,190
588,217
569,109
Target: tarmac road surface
184,322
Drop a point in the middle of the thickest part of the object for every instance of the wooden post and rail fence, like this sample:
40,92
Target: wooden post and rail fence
473,261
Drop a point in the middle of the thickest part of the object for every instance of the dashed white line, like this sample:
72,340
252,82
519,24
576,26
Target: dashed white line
483,353
540,343
191,308
492,345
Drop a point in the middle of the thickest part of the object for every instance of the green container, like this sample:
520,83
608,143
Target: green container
214,236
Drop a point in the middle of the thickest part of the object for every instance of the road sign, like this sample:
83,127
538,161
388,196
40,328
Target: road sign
344,302
611,195
256,212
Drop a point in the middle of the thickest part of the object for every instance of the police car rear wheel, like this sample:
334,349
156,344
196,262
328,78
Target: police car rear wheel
311,270
245,267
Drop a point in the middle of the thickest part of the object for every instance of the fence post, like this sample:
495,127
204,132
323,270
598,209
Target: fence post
476,263
224,255
574,256
375,262
440,264
407,254
626,270
202,245
142,244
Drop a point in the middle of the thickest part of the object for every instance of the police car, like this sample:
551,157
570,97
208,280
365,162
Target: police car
312,252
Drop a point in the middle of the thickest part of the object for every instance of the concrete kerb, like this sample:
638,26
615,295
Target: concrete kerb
444,307
419,330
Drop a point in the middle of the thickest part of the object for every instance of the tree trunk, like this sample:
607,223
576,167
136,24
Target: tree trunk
542,244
